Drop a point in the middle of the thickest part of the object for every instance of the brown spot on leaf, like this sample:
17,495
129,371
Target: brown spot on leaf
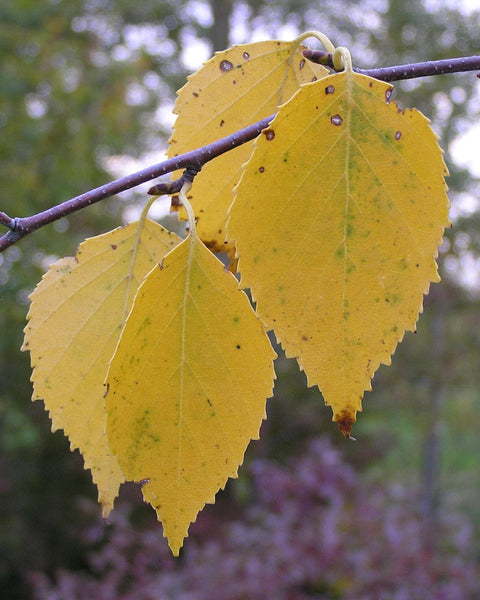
226,65
398,135
113,246
246,55
262,169
345,423
336,120
330,89
195,94
222,123
388,95
302,64
269,134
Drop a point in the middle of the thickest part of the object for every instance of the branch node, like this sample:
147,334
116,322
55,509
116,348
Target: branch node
8,221
320,57
165,188
173,187
190,172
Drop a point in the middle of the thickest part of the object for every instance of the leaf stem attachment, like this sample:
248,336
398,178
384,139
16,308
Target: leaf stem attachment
136,243
173,187
321,37
182,196
342,59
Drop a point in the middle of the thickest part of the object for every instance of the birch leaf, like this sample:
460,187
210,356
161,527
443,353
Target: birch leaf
187,385
337,221
73,328
236,88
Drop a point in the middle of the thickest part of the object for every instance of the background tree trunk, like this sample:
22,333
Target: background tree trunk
219,33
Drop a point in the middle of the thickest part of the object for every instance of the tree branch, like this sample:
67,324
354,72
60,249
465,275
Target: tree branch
7,221
409,71
19,227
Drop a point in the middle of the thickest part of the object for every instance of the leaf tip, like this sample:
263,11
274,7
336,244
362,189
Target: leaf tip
107,508
175,547
345,422
175,536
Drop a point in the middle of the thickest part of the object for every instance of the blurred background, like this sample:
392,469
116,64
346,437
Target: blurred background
86,92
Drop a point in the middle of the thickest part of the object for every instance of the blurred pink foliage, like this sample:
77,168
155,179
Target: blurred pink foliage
313,529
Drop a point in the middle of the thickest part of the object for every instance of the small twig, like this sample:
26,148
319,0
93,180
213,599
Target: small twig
410,71
7,221
173,187
166,187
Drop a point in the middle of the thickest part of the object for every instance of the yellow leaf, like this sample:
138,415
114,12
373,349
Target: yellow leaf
236,88
337,221
187,385
73,327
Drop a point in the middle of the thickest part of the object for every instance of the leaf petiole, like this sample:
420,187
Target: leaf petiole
342,59
321,37
182,196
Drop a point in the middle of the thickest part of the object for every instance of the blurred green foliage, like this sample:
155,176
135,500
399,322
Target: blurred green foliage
85,80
